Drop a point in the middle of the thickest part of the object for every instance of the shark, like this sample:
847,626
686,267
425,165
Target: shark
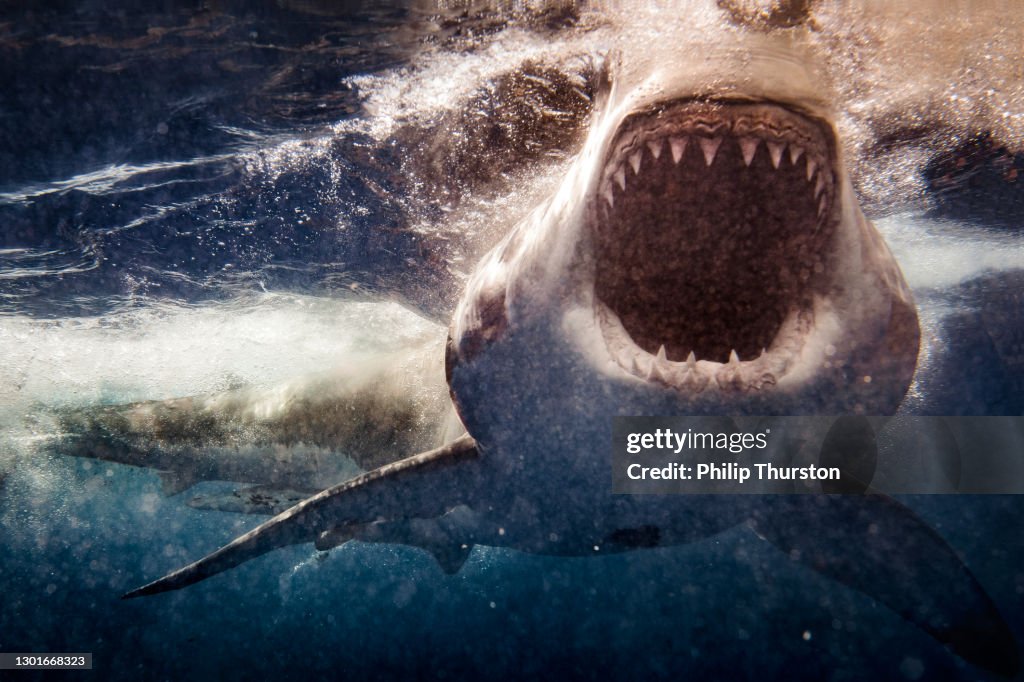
298,436
704,255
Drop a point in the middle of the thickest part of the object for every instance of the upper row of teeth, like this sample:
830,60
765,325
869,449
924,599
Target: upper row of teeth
709,147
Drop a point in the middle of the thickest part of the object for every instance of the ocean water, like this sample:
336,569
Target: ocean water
196,198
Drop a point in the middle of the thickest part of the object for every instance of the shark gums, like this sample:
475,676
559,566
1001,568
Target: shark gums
704,255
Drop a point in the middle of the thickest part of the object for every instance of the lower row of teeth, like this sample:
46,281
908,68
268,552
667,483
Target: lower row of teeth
696,375
709,147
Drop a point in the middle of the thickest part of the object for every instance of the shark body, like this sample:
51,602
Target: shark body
704,255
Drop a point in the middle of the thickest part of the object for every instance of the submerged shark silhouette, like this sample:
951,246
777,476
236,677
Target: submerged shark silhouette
704,255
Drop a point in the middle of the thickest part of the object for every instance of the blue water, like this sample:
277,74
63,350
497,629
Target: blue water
130,155
168,176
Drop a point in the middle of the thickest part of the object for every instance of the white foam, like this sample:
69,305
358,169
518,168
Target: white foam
938,254
162,351
441,79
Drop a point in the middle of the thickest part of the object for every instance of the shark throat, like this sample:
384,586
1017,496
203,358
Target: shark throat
711,229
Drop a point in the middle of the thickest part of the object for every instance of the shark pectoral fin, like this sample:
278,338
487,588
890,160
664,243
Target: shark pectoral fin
423,485
879,547
174,482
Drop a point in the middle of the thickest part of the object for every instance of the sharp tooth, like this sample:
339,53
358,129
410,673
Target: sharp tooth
729,381
608,195
749,146
678,145
733,358
710,148
634,368
634,161
821,206
662,356
655,147
620,177
696,382
691,361
811,166
795,153
776,149
645,362
820,186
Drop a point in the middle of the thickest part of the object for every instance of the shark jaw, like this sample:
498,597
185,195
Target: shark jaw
711,228
704,255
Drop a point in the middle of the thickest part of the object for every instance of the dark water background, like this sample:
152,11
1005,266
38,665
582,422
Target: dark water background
127,143
126,178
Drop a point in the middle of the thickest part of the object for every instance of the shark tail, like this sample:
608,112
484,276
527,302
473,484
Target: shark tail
419,486
877,546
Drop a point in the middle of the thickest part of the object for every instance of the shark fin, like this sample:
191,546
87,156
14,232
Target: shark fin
423,485
877,546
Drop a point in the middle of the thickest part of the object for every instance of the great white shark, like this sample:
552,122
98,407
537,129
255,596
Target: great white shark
705,254
298,436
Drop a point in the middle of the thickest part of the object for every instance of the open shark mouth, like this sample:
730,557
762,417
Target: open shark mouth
712,225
